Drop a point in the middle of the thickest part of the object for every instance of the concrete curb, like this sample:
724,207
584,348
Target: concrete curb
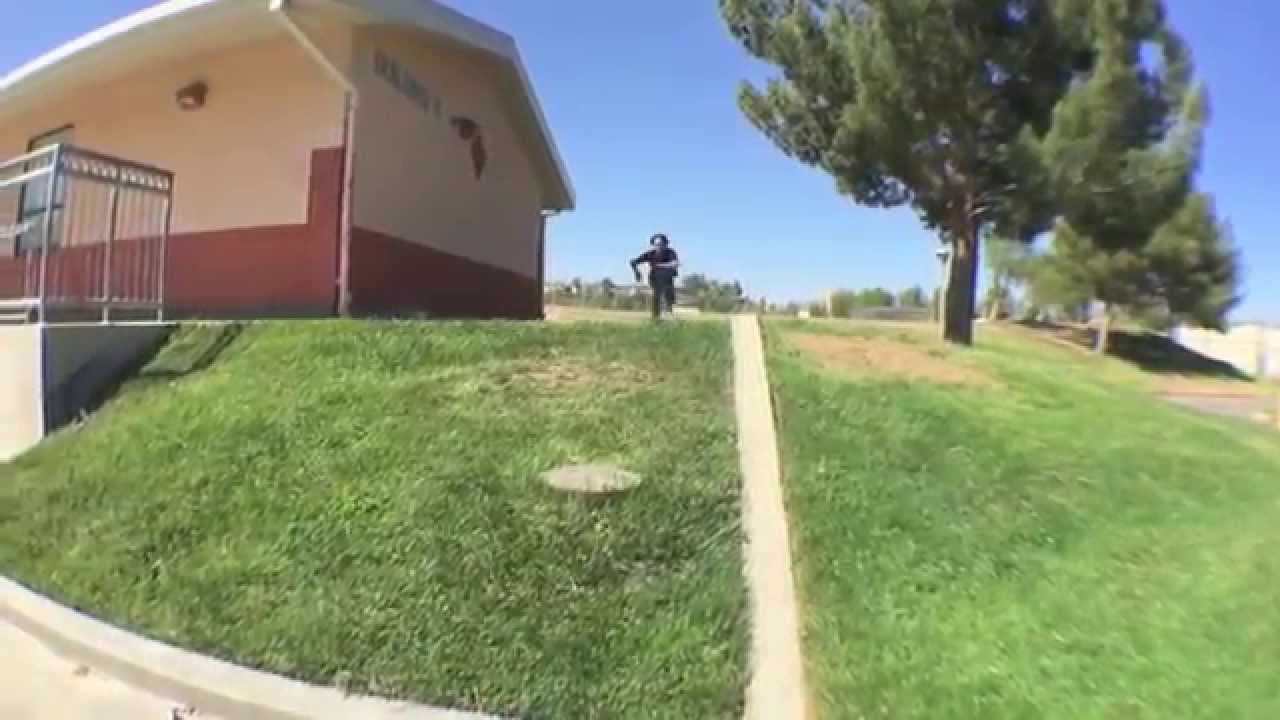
777,690
1226,394
212,686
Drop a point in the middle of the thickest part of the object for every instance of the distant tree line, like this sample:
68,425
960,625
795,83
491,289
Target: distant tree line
694,291
845,303
711,295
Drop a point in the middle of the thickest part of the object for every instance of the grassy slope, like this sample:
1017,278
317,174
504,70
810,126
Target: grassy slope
358,503
1066,547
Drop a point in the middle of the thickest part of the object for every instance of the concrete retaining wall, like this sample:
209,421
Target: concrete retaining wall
21,402
83,363
1271,361
51,374
1252,349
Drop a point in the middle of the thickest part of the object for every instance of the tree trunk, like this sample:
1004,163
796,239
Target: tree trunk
997,302
960,296
1104,331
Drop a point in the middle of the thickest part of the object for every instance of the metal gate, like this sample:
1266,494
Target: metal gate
82,233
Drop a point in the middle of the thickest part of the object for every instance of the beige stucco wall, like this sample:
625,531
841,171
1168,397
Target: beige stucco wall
414,174
21,415
241,161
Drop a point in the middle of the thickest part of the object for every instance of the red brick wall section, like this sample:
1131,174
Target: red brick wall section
14,278
393,276
76,274
278,270
247,271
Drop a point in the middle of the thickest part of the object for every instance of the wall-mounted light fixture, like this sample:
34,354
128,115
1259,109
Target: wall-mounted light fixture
193,96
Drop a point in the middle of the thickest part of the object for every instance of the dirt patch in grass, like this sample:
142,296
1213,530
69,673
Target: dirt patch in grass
880,356
567,314
568,375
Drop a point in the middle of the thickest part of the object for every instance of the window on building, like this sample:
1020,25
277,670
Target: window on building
35,196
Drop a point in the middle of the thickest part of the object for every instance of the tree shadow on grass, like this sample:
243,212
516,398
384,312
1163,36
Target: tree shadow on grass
1151,352
185,351
194,348
1159,354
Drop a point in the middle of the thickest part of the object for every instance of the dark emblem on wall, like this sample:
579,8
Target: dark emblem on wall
470,132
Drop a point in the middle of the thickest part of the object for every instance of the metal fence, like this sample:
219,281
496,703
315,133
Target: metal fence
82,232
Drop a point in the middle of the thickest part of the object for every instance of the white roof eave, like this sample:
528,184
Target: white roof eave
102,36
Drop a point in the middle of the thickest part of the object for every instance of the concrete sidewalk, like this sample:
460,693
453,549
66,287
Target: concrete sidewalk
224,689
36,684
777,689
1249,407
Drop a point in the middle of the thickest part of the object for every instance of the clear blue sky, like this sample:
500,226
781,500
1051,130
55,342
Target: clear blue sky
640,94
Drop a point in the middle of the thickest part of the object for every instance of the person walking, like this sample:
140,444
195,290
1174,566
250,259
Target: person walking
664,268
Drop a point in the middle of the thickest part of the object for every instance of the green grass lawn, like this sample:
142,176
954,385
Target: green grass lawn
1040,539
358,503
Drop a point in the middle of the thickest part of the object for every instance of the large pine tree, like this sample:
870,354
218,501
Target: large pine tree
1184,271
1194,268
1008,264
936,104
1122,154
989,116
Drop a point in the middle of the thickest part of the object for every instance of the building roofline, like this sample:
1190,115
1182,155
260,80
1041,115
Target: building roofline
96,38
423,14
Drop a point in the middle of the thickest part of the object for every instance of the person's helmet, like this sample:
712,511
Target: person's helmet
660,238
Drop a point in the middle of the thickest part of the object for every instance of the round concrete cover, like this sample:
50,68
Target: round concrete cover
591,479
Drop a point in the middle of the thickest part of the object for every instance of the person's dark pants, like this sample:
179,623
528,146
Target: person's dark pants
664,295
